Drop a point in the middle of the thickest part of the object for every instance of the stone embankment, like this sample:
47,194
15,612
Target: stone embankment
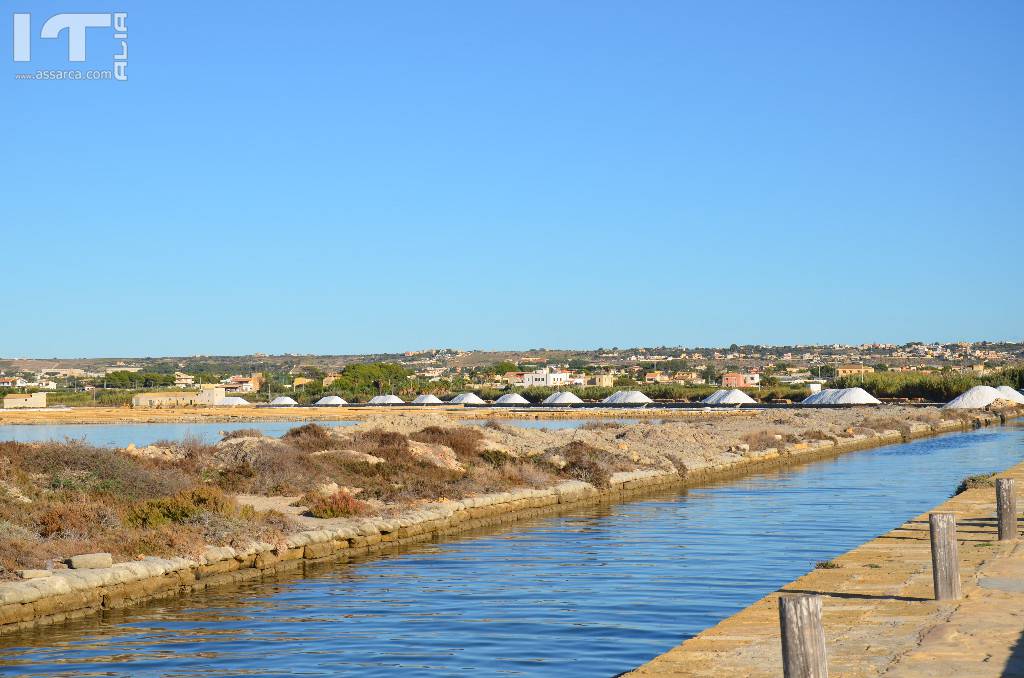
48,597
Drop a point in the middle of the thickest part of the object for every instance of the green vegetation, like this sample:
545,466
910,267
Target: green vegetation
937,387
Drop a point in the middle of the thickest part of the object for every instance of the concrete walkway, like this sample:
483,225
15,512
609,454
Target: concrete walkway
879,615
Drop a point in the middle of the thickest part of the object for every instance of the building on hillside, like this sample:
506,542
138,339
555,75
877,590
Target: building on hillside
13,382
15,401
687,377
740,380
853,370
601,380
242,384
182,380
331,378
301,381
549,377
207,395
513,378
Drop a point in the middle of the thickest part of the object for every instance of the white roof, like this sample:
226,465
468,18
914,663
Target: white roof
1010,394
427,399
467,399
976,398
332,400
232,401
386,400
283,401
562,398
728,397
841,396
627,397
511,399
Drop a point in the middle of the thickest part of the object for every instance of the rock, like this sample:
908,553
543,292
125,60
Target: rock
441,456
155,452
89,561
246,450
33,574
350,455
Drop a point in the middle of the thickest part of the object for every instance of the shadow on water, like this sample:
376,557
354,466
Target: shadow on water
590,591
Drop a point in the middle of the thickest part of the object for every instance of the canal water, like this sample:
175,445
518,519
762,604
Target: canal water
122,435
593,592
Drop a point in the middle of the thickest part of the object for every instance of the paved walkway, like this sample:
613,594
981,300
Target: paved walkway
879,615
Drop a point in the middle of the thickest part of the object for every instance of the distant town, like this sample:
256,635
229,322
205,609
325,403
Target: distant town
203,379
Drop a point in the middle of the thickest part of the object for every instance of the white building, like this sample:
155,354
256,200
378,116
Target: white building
549,377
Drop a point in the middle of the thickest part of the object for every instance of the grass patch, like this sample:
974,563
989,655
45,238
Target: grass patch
975,482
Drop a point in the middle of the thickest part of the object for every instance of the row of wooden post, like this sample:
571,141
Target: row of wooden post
803,635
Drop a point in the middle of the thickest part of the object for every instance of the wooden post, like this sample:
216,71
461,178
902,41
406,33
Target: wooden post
1006,509
945,556
803,637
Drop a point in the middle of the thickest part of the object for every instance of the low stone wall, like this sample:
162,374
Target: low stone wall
61,595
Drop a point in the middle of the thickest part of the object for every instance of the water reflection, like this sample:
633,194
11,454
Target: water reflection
595,591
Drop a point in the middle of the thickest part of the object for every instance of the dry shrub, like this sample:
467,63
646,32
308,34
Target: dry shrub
310,438
337,505
185,507
463,440
975,481
243,433
79,468
886,424
766,438
817,434
602,426
926,416
76,518
587,463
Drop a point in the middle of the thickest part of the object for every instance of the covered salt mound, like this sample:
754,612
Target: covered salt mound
842,396
389,399
467,399
1010,394
426,399
331,400
562,398
511,399
627,398
232,401
976,398
283,401
728,397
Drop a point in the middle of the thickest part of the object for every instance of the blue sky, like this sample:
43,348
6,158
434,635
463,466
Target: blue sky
335,177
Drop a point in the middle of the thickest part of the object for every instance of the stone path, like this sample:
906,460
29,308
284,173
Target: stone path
879,615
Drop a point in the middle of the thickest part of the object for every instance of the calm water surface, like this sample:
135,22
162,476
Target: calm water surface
120,435
590,593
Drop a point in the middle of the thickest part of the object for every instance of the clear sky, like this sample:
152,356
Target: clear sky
342,177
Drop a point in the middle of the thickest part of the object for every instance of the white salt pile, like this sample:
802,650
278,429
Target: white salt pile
562,398
331,400
467,399
627,398
386,400
426,399
283,401
1010,394
842,396
232,401
975,398
728,397
511,399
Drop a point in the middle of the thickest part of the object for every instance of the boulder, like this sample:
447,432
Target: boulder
91,561
441,456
